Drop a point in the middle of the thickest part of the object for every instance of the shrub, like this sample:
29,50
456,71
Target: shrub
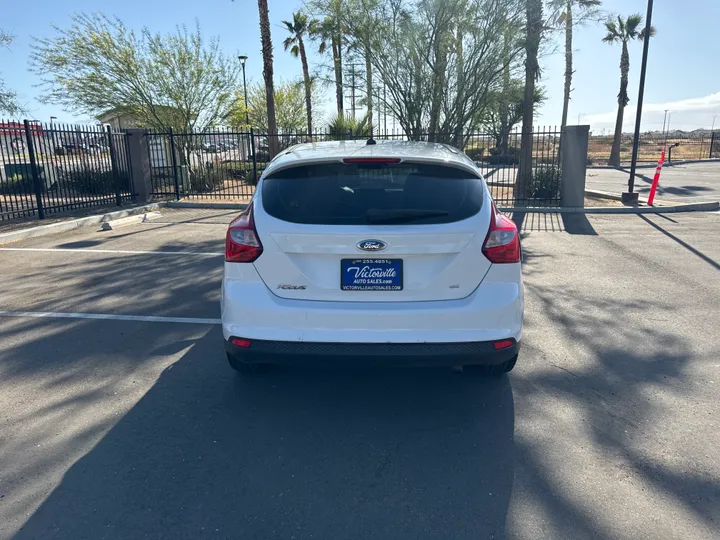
476,154
163,172
545,183
17,184
341,127
206,179
91,182
496,156
238,170
503,160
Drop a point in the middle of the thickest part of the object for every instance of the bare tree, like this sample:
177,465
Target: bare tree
440,60
362,18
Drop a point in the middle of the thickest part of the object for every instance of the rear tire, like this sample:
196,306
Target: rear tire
492,371
245,369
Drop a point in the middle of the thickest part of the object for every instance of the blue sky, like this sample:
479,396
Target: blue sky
682,71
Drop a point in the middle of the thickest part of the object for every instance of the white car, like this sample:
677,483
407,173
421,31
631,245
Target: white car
361,253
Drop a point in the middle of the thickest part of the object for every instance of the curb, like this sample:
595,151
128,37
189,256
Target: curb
130,220
219,206
88,221
692,207
612,196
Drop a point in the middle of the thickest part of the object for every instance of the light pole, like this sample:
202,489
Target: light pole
52,132
243,59
630,197
712,129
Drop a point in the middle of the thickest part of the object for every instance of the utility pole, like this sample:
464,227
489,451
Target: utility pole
385,106
380,106
353,87
353,91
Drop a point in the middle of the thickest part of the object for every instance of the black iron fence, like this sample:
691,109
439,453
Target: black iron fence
225,164
51,168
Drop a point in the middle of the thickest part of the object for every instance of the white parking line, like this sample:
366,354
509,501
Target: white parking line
118,251
107,317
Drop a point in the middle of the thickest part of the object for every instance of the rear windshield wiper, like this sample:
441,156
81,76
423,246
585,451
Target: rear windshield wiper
375,215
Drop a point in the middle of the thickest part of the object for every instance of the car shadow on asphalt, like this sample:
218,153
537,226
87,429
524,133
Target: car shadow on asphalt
296,453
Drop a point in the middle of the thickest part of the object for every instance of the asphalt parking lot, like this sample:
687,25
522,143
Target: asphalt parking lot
689,183
129,424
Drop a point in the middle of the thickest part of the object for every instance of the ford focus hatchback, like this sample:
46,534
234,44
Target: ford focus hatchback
362,253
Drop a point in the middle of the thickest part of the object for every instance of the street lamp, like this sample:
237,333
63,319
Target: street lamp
630,197
243,59
52,131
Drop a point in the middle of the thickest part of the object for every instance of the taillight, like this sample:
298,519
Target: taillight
242,243
499,345
240,342
502,244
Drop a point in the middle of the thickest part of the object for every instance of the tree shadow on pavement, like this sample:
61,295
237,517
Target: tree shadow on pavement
144,284
609,425
294,454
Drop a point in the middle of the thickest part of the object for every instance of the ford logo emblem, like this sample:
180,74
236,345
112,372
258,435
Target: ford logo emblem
371,245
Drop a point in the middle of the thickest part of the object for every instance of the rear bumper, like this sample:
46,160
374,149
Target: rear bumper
371,354
492,312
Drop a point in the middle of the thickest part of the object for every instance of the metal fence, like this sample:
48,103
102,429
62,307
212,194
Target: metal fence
225,164
52,168
699,145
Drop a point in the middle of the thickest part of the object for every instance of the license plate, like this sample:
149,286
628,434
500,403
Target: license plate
371,274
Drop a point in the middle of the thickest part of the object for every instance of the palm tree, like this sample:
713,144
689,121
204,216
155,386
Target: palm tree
330,31
533,34
623,31
295,42
266,41
569,13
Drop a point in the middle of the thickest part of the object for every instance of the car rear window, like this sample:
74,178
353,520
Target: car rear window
372,193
